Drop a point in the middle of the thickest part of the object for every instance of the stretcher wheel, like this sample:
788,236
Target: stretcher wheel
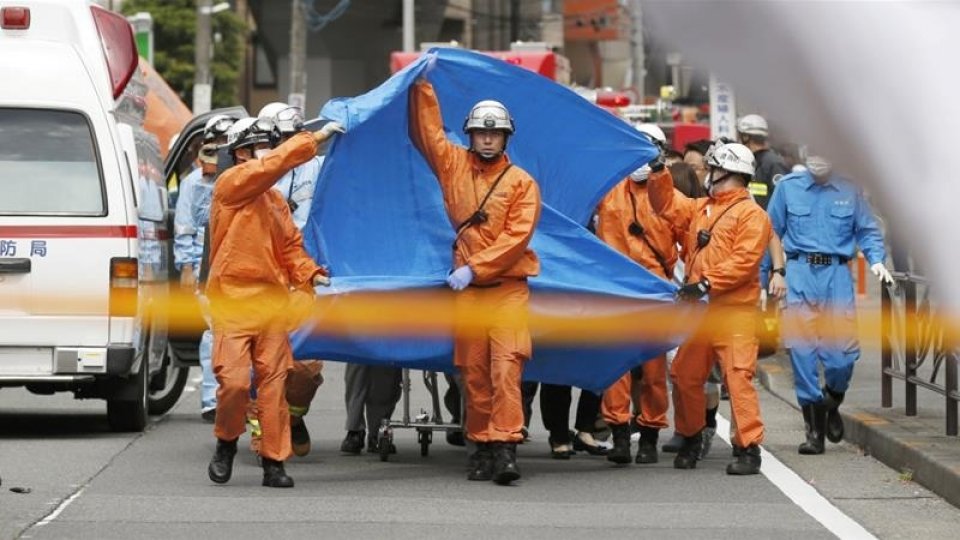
384,442
424,437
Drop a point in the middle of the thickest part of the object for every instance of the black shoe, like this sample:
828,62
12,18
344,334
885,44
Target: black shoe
736,450
832,401
373,445
209,416
747,463
299,436
455,438
274,475
221,466
353,443
814,423
689,452
673,445
580,445
505,468
481,464
557,451
647,449
620,453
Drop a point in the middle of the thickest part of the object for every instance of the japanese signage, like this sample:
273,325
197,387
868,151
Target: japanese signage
19,248
723,110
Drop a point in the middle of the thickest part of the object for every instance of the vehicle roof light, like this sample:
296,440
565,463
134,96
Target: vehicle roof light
16,18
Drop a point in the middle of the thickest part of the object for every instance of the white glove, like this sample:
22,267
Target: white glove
881,272
328,130
321,280
460,278
431,64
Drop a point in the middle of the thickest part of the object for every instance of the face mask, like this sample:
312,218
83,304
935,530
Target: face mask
260,153
640,175
710,181
819,166
488,155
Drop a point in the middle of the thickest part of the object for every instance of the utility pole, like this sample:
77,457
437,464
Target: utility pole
409,26
298,55
636,43
202,87
514,20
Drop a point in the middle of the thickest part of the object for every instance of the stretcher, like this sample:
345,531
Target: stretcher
424,422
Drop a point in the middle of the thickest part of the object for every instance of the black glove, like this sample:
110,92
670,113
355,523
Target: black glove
658,163
694,291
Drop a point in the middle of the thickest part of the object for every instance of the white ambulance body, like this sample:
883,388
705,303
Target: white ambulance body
83,235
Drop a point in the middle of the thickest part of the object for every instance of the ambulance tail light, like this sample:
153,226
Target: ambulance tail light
15,18
124,281
119,47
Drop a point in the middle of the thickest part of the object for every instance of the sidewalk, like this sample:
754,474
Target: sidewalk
916,446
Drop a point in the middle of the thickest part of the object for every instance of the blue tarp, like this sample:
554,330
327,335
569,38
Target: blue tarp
378,219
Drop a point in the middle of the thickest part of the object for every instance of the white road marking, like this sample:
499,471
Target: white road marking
63,506
802,493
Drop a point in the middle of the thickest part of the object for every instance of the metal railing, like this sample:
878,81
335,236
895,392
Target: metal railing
915,348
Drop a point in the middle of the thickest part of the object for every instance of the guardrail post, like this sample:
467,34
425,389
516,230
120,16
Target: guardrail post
886,354
950,387
911,337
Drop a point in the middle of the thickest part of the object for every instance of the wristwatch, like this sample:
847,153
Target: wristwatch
781,271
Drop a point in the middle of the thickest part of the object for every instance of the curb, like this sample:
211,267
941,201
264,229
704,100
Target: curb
931,461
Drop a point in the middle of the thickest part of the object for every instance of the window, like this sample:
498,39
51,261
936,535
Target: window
48,164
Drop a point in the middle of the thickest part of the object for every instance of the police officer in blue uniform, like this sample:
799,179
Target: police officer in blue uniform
822,218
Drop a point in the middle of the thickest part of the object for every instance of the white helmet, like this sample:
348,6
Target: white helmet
250,131
731,157
289,119
654,133
489,114
753,124
216,127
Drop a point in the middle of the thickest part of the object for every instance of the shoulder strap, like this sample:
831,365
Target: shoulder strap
710,230
474,218
643,235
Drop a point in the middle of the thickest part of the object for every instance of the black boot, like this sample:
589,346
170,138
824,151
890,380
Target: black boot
814,420
689,452
274,475
221,466
481,464
353,442
647,450
505,468
674,444
832,401
620,454
747,463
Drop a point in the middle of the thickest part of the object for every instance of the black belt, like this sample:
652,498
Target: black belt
819,259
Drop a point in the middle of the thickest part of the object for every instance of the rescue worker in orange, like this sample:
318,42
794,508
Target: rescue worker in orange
493,207
260,286
627,223
725,237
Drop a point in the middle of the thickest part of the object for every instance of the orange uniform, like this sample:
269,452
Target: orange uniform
256,260
498,254
655,250
740,232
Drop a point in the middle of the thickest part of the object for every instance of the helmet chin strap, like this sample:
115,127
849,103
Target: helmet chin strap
711,183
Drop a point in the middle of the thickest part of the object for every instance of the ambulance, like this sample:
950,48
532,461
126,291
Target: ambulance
84,234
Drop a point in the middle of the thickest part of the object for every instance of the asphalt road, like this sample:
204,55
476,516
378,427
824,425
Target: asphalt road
86,482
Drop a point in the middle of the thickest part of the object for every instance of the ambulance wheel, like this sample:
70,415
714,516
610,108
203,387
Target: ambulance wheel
127,408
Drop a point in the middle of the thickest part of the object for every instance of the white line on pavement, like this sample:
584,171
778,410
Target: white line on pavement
802,493
56,512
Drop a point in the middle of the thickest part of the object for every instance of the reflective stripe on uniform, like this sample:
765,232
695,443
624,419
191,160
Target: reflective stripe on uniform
758,189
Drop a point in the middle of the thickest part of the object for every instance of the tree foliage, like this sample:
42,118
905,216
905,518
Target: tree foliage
174,44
